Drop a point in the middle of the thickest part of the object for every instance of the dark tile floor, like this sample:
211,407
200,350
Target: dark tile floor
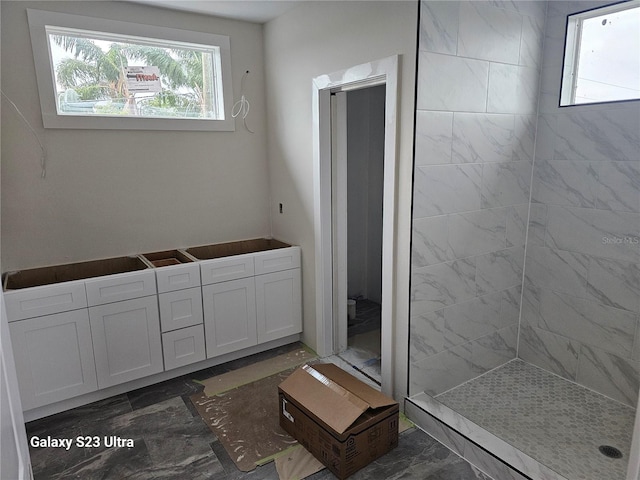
171,441
367,318
364,340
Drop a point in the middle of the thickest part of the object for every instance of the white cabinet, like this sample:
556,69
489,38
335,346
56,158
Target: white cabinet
79,328
180,305
230,316
250,299
181,320
54,357
126,340
278,304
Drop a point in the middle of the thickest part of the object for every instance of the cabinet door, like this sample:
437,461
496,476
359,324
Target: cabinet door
180,309
278,304
229,316
54,357
126,340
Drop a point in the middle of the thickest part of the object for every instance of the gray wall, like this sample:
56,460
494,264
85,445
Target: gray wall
111,193
582,282
478,78
365,176
310,40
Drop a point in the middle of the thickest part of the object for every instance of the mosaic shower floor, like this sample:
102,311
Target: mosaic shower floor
559,423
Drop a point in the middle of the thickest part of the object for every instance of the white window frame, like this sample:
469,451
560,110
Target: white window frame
573,40
39,20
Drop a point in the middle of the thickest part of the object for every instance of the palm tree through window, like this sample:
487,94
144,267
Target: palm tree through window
96,73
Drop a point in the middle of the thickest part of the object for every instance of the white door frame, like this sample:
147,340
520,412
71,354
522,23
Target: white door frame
339,215
384,71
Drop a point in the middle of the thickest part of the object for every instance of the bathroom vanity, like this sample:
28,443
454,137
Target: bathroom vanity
89,330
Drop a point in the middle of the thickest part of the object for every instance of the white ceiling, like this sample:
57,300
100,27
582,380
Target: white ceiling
259,11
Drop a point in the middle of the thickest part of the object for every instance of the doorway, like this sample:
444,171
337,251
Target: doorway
331,198
357,182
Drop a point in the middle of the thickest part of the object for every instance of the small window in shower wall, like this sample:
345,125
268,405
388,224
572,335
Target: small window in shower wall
602,55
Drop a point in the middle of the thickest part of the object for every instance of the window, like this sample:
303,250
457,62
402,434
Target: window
97,74
602,55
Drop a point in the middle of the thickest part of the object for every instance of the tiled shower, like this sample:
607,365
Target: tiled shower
526,216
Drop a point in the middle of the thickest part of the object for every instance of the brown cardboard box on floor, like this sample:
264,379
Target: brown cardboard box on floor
343,422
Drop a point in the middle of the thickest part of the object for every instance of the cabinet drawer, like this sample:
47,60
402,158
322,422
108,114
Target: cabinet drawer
228,268
183,347
116,288
277,260
45,300
180,309
178,277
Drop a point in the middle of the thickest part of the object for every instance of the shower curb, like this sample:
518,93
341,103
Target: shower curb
490,454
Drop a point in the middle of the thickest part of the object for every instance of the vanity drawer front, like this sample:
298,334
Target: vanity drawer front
277,260
124,286
227,268
45,300
183,347
178,277
180,309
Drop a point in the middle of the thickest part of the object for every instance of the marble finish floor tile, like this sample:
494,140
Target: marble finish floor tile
251,359
182,386
205,468
365,361
170,443
80,417
418,456
78,422
165,437
363,349
187,385
557,422
231,472
112,463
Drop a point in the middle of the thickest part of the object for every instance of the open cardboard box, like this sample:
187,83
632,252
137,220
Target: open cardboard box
343,422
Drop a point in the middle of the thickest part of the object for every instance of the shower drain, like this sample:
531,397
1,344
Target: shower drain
609,451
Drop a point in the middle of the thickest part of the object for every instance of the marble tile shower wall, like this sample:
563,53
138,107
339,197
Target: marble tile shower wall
478,75
581,302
